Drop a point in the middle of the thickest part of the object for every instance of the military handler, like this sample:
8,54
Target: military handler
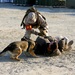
34,20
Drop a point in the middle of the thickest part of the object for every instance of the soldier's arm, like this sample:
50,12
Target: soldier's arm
22,23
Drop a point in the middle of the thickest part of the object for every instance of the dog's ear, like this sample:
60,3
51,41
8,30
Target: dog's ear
70,43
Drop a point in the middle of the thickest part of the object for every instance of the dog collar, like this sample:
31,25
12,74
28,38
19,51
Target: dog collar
49,50
49,47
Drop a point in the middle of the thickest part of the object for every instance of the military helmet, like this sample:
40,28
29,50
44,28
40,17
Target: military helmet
32,9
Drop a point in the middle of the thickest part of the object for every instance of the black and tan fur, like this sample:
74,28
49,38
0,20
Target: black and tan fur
64,44
16,49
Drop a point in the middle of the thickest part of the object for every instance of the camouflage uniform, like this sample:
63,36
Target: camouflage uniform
36,20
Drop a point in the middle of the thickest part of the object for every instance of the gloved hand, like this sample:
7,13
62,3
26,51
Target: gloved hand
40,34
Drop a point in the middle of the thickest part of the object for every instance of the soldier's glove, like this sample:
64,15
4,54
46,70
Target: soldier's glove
40,34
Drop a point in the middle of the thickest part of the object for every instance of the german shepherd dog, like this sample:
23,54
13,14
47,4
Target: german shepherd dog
16,49
52,46
46,47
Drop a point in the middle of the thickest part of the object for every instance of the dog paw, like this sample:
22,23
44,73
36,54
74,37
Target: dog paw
58,52
17,59
36,56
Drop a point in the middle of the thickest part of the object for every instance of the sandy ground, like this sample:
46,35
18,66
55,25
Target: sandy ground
61,21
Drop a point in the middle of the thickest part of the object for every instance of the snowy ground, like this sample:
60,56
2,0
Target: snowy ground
61,21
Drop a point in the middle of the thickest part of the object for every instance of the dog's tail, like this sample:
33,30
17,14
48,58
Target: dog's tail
4,51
